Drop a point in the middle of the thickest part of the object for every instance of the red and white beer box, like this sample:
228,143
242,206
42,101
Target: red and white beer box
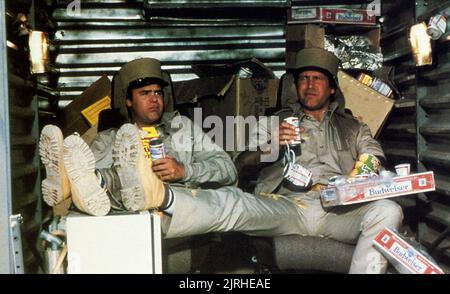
330,15
375,189
402,255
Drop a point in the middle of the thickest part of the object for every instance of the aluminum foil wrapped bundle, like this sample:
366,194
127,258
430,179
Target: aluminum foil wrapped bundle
354,52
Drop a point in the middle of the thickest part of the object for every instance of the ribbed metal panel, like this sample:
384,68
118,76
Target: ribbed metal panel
7,256
433,122
418,130
107,34
399,134
24,136
25,165
215,3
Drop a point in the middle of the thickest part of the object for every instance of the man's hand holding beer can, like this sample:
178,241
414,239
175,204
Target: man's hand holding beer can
168,169
289,132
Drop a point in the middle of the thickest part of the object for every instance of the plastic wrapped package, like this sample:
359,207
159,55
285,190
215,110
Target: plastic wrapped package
354,52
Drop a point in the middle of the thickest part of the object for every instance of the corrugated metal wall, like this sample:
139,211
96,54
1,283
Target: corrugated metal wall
214,3
24,133
433,124
7,256
399,134
108,33
418,129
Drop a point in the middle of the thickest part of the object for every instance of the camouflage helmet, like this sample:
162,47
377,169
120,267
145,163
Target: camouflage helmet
141,68
316,58
134,70
324,61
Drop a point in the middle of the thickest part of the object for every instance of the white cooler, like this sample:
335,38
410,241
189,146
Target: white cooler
114,244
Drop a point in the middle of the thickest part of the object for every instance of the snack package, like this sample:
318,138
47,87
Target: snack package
366,164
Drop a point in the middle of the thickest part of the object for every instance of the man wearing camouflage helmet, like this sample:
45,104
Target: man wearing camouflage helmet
334,143
108,174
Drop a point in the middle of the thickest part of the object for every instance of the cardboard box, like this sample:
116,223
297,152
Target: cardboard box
365,103
230,95
71,118
114,244
300,36
249,97
402,255
330,15
377,188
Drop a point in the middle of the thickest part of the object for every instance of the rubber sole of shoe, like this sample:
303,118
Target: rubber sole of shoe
141,188
87,194
55,187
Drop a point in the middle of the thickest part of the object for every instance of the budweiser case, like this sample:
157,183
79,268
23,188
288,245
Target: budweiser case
402,255
330,15
378,188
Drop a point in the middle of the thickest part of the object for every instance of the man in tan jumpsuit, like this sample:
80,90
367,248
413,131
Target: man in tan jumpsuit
139,96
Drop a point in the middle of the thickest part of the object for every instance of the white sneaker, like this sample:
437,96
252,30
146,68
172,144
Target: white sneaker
55,187
87,193
141,188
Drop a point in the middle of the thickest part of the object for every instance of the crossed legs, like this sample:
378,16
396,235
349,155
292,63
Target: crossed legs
70,170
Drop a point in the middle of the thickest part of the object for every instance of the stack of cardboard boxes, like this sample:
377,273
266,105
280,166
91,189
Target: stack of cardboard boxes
308,26
245,89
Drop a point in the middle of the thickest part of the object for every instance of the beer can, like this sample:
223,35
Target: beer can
297,174
437,26
296,123
157,150
403,169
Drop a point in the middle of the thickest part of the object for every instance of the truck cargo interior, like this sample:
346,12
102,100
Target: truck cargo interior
223,59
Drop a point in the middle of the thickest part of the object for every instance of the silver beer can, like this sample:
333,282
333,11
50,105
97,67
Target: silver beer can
437,26
157,150
296,123
297,174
